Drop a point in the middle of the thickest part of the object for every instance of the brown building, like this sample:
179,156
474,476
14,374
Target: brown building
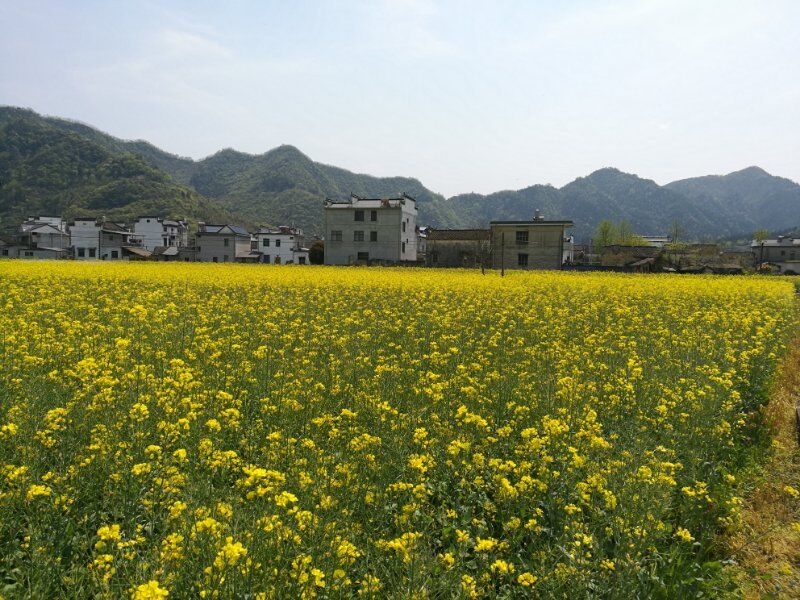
467,248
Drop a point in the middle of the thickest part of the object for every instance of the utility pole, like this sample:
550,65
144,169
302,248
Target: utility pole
503,254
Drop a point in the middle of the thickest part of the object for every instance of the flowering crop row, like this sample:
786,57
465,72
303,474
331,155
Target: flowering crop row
225,431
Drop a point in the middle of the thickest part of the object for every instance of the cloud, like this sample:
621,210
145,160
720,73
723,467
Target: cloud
190,45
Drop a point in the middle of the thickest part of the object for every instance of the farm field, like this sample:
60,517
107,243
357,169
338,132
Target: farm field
284,432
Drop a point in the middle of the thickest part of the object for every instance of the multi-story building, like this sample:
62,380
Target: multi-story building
535,244
280,245
222,243
94,239
782,253
364,230
42,237
161,233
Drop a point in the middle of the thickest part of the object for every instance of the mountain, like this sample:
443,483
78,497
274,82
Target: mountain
745,200
282,186
605,194
52,171
58,166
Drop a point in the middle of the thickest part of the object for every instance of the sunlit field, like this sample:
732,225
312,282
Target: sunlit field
252,431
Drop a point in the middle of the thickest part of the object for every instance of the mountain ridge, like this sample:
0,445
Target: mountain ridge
283,185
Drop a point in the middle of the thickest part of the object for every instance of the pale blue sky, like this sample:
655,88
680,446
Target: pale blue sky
465,96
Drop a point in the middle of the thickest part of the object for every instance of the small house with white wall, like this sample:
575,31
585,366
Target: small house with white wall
100,239
157,232
281,245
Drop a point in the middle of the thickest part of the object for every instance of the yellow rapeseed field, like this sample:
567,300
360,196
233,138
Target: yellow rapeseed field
182,430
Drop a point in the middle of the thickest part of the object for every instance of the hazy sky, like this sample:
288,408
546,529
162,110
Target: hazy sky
465,96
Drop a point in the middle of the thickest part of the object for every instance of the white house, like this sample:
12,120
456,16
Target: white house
161,233
361,230
281,245
94,239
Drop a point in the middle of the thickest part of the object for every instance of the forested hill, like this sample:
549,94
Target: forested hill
711,207
46,170
52,165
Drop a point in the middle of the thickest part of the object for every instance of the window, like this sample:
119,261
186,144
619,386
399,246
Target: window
522,260
363,256
359,215
266,258
403,247
114,254
81,252
373,236
301,260
28,254
373,215
336,235
92,252
522,237
265,243
404,226
226,242
358,236
277,243
214,259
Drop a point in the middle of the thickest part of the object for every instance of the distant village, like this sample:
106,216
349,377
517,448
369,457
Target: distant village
384,231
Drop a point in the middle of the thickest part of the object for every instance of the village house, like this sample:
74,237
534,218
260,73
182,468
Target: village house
527,245
223,243
782,253
161,233
459,248
368,230
280,245
38,237
100,239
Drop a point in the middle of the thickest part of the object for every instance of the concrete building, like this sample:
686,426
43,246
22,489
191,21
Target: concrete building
99,239
161,233
280,245
368,230
42,237
222,243
459,248
527,245
782,254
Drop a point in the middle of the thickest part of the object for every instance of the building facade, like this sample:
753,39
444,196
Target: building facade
281,245
161,233
782,253
468,248
528,245
99,239
222,243
365,230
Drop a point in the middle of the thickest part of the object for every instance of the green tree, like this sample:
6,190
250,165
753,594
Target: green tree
604,235
316,253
